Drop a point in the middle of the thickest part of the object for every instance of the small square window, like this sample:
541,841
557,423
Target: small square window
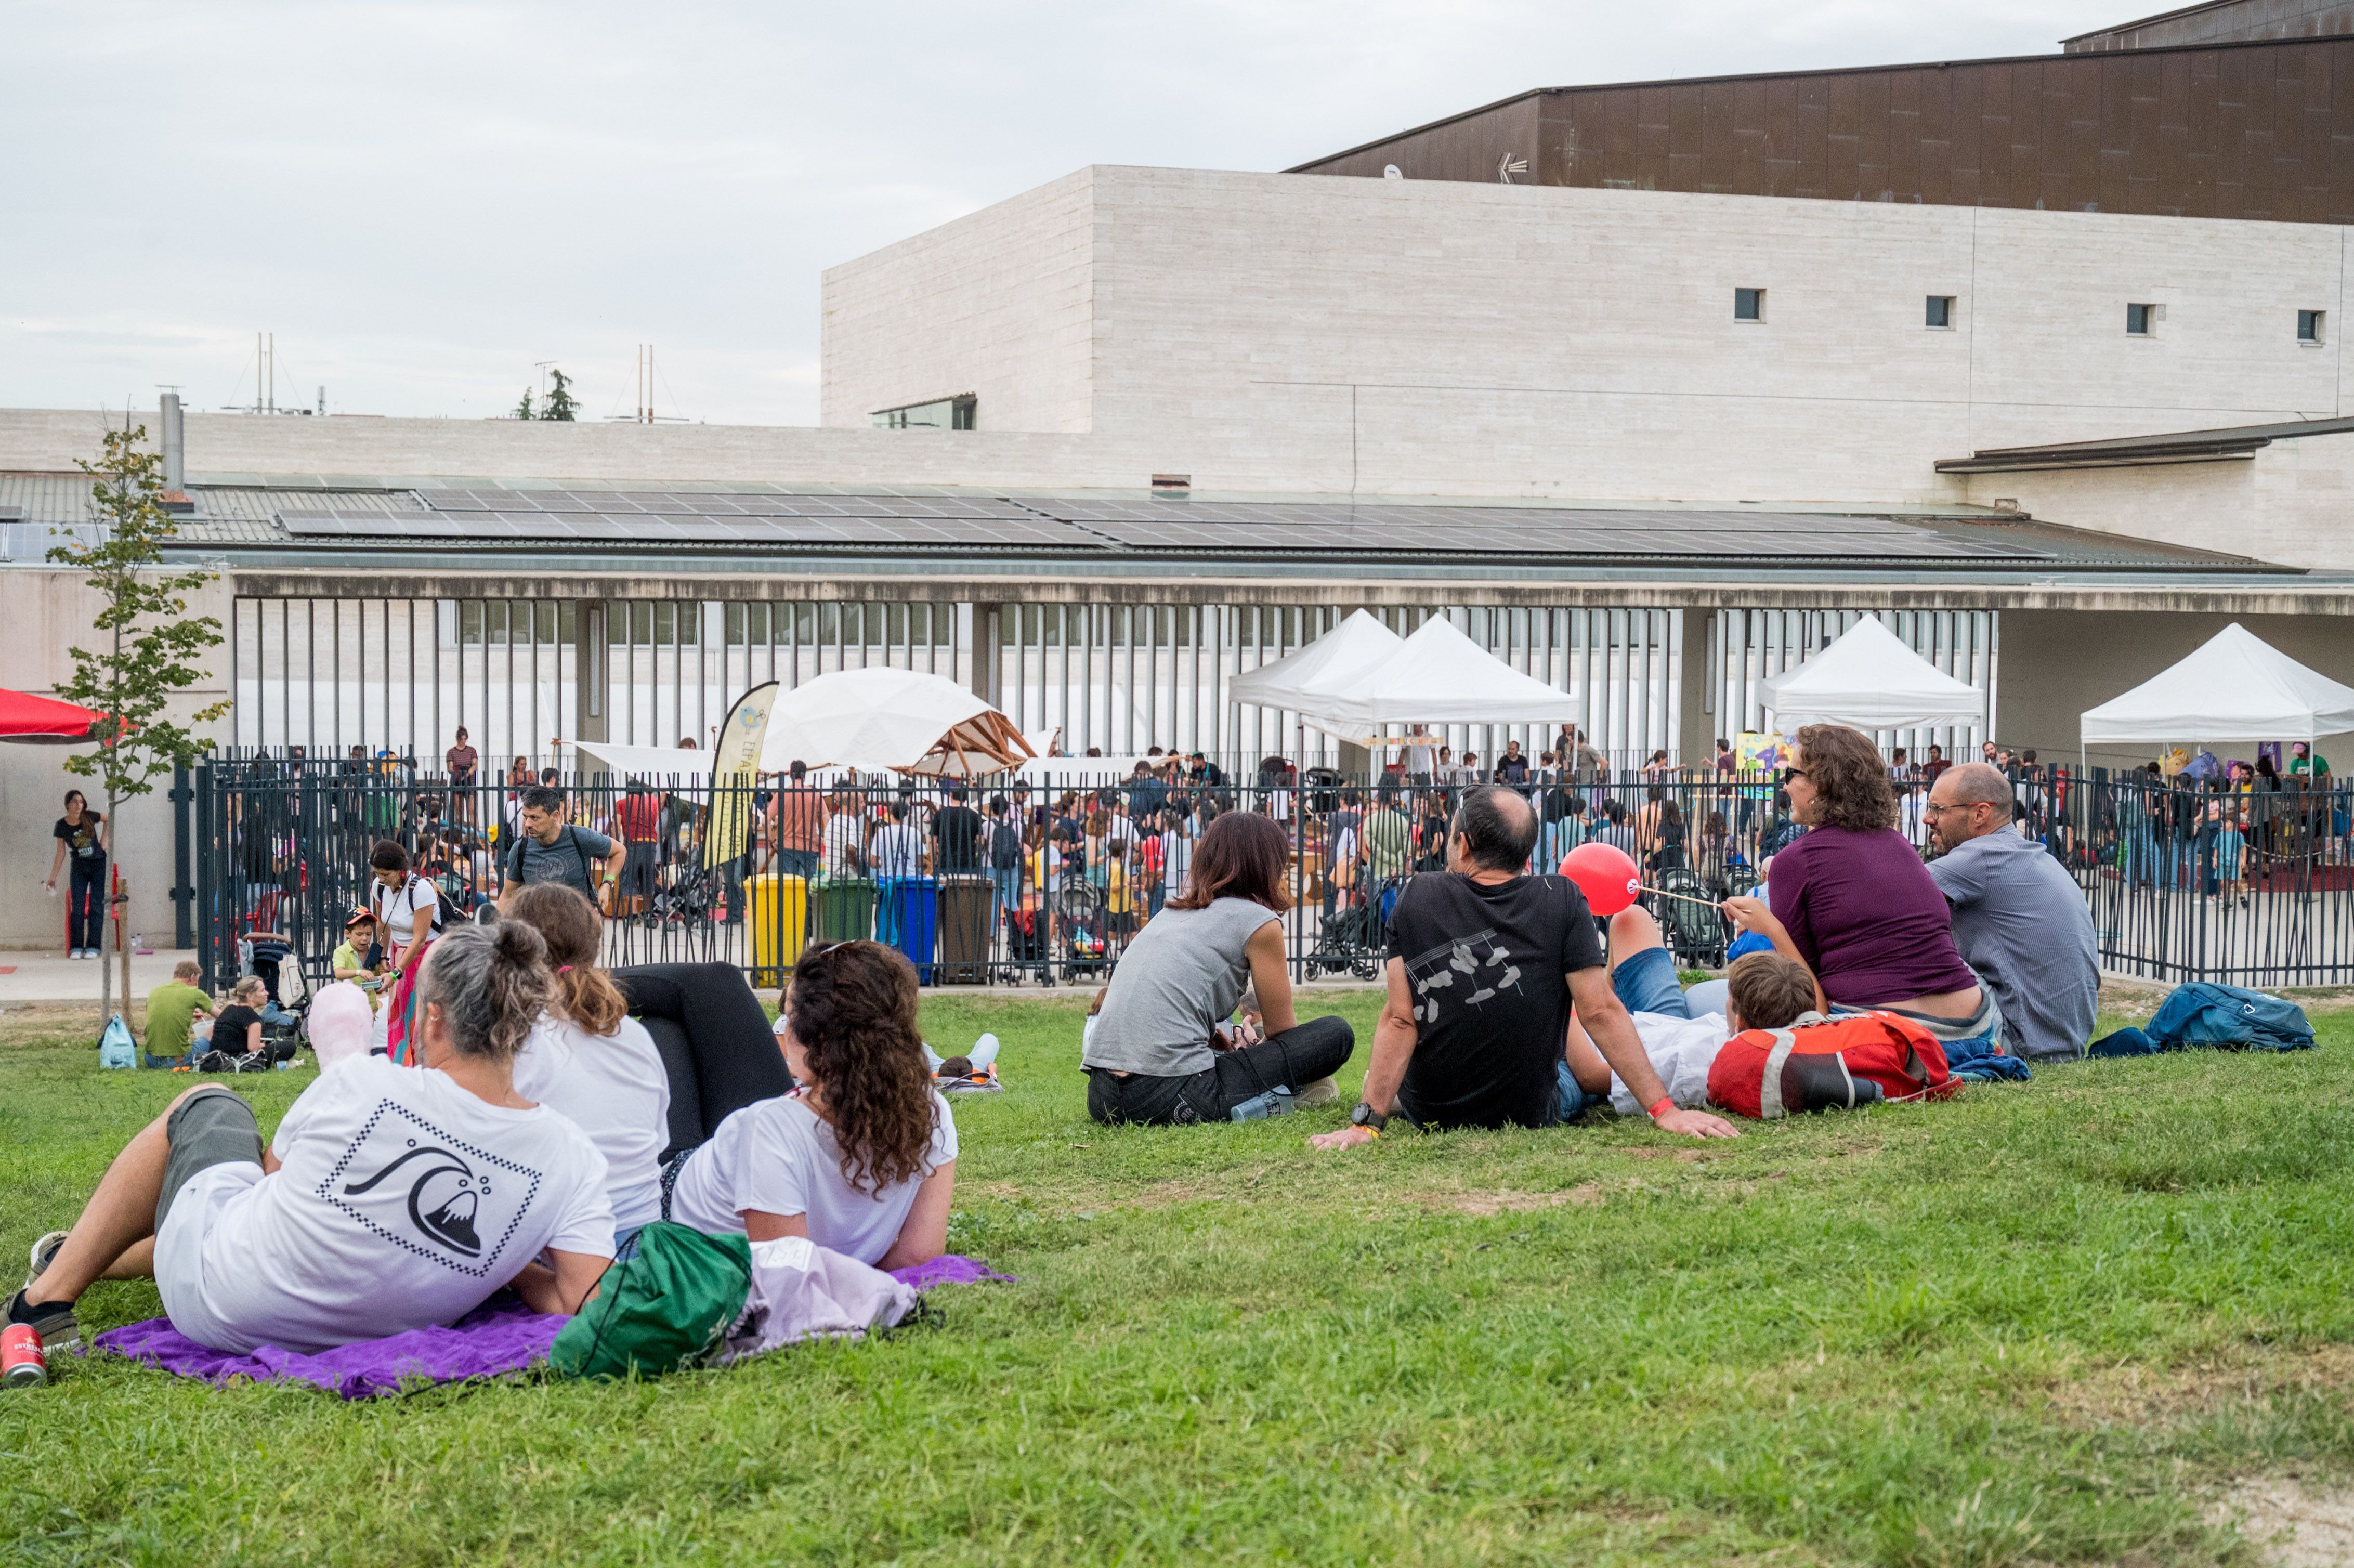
2308,325
2141,321
1749,305
1941,311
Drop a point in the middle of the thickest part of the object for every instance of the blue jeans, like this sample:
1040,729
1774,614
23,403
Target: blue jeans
797,863
1647,983
1004,892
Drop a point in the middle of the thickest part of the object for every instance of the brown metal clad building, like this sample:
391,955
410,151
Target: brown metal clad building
2223,22
2260,129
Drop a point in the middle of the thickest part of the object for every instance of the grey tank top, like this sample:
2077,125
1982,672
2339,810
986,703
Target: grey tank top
1182,973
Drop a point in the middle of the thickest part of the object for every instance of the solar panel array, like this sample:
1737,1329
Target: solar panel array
1255,526
1025,531
694,503
495,517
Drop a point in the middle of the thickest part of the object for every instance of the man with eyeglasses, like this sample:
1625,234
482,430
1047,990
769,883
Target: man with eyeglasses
2018,919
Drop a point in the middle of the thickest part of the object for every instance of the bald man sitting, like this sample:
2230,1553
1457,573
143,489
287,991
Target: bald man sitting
2018,918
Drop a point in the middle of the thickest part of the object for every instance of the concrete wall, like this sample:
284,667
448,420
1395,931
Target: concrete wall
2289,502
1006,297
1426,338
2057,664
44,612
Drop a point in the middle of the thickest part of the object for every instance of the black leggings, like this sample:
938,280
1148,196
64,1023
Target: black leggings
1300,1055
734,1059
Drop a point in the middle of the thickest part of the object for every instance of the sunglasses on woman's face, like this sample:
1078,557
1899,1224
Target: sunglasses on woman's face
1790,773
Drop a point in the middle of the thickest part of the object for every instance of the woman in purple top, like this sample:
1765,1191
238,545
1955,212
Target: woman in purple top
1858,904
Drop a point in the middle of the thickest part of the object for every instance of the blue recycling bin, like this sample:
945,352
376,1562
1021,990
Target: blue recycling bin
906,914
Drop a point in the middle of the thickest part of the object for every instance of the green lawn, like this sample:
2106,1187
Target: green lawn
2047,1323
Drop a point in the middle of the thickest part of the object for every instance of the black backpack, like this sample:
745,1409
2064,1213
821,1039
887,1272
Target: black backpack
1005,847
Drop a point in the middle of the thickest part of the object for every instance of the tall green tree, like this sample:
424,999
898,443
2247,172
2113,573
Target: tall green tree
558,404
148,645
523,409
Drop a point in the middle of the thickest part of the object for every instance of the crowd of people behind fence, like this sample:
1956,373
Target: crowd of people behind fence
1073,870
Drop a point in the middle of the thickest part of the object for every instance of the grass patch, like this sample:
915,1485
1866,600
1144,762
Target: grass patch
2047,1323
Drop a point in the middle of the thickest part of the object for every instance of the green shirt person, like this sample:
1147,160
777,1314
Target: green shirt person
2306,761
1388,840
172,1009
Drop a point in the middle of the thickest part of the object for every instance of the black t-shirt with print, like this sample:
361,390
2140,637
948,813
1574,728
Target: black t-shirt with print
80,839
1485,969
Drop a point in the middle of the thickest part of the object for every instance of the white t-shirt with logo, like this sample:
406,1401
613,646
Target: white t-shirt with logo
614,1088
401,1201
780,1157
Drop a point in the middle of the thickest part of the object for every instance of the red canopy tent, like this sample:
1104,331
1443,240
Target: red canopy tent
43,721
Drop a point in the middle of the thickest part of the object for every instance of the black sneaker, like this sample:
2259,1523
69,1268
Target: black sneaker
53,1320
43,1251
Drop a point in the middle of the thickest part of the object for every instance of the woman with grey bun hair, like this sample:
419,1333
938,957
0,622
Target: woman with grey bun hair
392,1198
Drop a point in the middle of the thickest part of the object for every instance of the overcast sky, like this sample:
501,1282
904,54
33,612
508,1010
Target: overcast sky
424,201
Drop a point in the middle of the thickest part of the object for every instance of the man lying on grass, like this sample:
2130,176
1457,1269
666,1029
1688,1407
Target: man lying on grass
392,1198
1485,965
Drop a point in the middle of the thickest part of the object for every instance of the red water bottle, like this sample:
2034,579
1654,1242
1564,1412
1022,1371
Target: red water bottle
22,1364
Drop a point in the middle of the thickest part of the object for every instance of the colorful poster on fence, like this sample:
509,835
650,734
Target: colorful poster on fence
735,768
1758,753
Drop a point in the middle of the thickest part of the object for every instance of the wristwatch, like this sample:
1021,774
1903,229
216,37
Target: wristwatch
1367,1116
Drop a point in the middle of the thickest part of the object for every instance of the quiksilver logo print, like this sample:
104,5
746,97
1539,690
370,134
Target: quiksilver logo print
416,1186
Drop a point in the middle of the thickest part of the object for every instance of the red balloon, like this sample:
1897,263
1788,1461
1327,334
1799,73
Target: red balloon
1606,874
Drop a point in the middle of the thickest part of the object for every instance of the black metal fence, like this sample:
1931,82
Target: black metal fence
1045,883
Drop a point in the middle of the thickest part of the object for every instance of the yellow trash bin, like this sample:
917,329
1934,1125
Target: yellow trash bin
778,909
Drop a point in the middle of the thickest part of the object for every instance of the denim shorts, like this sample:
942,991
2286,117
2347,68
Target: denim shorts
1574,1099
1647,983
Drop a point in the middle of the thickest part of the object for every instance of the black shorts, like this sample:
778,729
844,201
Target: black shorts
638,872
212,1127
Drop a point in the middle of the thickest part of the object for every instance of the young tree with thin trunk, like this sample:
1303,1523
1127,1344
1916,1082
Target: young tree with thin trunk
148,645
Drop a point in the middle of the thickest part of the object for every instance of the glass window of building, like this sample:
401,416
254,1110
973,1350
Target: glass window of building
941,414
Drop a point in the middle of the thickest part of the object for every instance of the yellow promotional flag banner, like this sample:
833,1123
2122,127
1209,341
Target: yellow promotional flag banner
734,765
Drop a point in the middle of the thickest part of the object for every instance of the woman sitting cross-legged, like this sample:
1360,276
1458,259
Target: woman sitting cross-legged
861,1159
588,1058
390,1199
1155,1053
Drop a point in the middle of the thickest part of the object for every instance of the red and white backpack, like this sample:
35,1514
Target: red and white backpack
1830,1063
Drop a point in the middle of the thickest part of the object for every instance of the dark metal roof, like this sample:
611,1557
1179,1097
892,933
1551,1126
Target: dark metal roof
2237,443
767,528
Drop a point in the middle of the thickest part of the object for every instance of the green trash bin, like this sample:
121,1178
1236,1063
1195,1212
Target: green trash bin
842,911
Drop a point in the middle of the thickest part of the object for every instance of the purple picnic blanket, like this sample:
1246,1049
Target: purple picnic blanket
501,1336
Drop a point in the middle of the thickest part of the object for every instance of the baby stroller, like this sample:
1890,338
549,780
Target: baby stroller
1025,945
1356,939
1086,946
1695,931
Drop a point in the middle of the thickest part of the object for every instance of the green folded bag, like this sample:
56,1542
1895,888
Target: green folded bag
667,1307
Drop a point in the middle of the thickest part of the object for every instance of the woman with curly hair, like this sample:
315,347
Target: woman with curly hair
861,1159
1855,899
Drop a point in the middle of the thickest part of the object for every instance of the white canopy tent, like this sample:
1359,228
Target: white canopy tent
1328,665
1870,680
1440,676
2235,687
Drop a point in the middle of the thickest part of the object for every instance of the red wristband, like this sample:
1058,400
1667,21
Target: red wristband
1665,1104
